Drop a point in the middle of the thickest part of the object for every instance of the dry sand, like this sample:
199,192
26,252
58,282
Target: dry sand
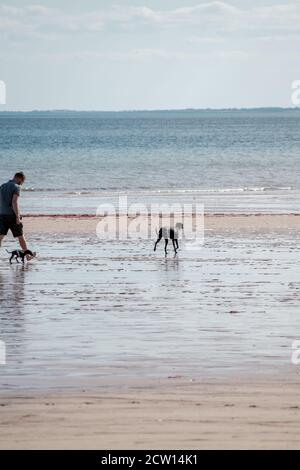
218,223
178,416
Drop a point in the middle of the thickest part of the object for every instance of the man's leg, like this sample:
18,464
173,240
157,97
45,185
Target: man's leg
23,245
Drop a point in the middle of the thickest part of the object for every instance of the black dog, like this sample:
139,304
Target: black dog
169,233
20,254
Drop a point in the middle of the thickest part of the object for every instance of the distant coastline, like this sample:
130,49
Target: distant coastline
151,111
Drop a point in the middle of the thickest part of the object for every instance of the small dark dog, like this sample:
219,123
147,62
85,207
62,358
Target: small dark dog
20,254
169,233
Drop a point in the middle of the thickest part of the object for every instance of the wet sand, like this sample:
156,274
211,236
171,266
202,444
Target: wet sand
112,346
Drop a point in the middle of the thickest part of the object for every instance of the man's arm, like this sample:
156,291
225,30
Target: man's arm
15,206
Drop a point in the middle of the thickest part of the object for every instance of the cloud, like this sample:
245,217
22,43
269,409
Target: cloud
207,22
205,40
213,9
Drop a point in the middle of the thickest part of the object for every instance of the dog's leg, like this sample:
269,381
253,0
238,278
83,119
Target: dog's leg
158,238
174,246
157,241
177,245
10,260
166,244
17,259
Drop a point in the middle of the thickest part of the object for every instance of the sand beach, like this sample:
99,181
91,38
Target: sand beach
115,346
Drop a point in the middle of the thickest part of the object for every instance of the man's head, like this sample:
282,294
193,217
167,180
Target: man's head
19,177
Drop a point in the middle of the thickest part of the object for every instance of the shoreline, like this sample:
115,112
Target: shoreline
207,214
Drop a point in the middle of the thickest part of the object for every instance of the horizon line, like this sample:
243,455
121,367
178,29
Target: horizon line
62,110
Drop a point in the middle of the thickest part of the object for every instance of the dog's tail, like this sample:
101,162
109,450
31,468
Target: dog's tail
9,252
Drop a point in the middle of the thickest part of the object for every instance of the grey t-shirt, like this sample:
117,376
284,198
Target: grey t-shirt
7,190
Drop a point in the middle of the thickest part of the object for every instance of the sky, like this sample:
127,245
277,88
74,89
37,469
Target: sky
148,54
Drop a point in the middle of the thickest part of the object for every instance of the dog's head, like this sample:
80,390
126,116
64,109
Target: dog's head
30,253
179,226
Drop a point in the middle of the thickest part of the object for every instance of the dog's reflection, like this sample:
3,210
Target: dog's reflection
171,264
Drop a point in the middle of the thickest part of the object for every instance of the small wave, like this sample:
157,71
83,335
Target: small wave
109,191
40,190
227,190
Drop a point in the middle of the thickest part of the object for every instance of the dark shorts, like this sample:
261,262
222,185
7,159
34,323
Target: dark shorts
8,222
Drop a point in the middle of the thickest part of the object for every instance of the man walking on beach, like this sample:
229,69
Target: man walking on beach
10,218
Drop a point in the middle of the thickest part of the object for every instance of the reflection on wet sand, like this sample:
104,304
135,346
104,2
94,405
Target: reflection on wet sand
12,317
92,310
172,263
